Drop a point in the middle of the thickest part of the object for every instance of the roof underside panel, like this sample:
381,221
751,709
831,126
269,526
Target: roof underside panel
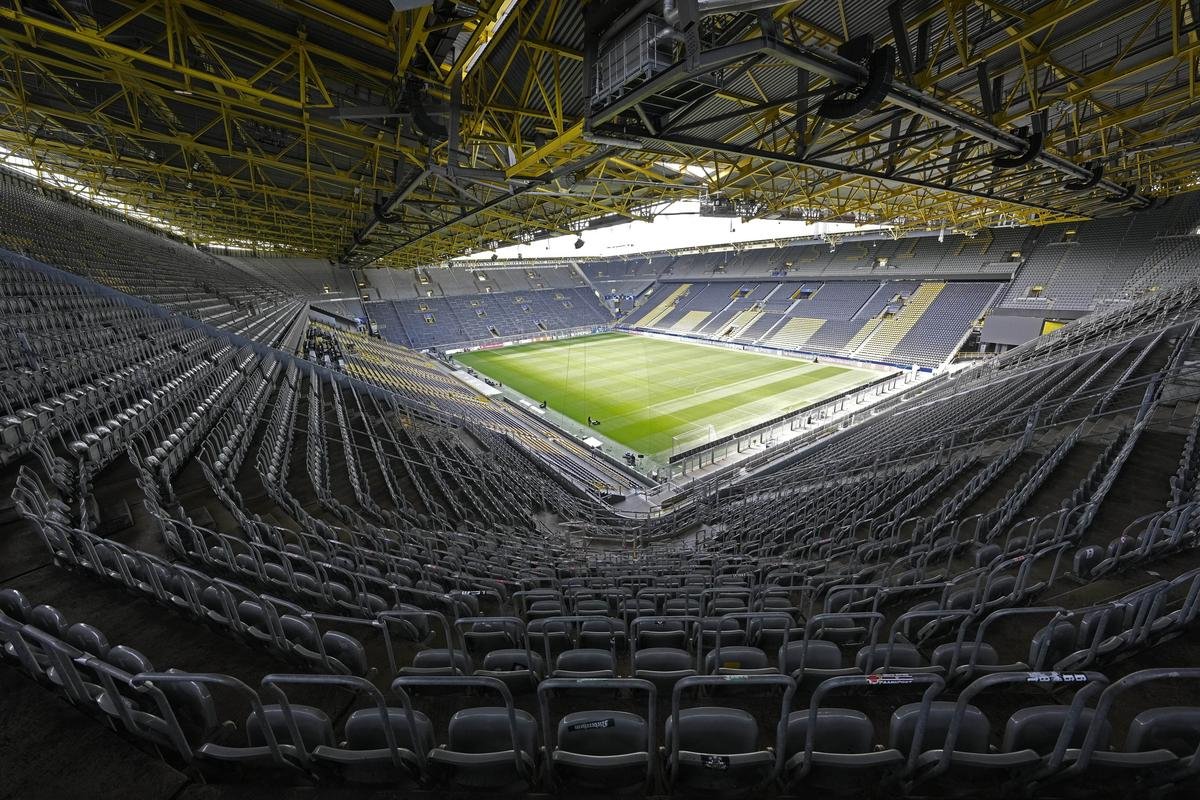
351,131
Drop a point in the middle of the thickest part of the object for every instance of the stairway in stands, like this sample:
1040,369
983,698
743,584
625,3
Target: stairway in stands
884,337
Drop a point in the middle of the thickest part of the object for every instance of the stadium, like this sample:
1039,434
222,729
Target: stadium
567,399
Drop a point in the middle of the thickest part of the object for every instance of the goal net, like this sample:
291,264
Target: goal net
692,437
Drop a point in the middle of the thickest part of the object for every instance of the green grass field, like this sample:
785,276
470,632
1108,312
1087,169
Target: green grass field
646,392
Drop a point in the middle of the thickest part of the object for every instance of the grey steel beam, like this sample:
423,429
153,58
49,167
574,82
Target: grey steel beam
847,73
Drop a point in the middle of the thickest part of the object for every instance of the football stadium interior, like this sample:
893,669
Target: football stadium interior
624,398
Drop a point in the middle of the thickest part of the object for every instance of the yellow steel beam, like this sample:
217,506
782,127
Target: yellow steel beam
119,51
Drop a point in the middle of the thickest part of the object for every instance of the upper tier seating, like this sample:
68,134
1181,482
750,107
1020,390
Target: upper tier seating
893,322
142,264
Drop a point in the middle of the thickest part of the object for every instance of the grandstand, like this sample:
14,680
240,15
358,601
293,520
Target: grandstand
360,434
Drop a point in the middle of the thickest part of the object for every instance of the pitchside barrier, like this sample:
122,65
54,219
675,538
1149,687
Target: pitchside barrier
810,418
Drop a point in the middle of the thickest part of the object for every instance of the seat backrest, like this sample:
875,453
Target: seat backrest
483,637
972,736
736,658
1062,637
365,730
48,619
816,653
346,649
599,632
987,554
681,605
728,605
1086,559
726,624
313,724
602,733
591,607
128,659
486,730
943,654
838,730
252,613
585,660
902,655
1001,586
194,708
439,658
14,605
717,731
546,627
88,639
1174,728
662,659
1037,728
512,660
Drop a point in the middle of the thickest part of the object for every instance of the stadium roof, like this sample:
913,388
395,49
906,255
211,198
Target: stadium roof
406,132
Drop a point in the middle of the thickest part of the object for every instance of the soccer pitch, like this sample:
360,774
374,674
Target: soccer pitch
646,391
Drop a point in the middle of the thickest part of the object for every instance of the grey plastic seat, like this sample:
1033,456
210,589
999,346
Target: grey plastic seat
667,633
1158,743
585,663
484,637
986,554
732,633
839,732
543,631
479,752
48,619
128,659
1173,728
1037,728
539,609
592,608
601,750
1087,559
168,714
88,639
344,654
718,751
820,659
737,660
663,666
15,606
598,633
984,655
313,725
255,752
899,656
14,612
194,709
879,771
519,670
769,633
365,756
841,630
972,737
439,661
677,606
